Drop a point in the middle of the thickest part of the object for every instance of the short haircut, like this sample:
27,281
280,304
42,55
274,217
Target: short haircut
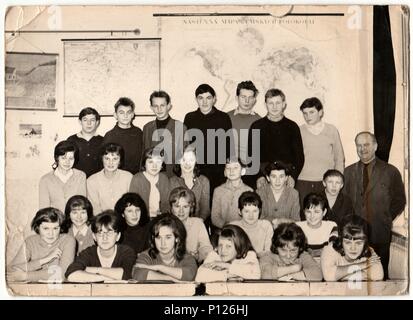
64,147
107,219
160,94
177,167
240,239
75,202
178,229
311,102
277,165
315,199
288,232
131,199
352,225
48,214
249,198
235,160
112,147
372,136
247,85
203,88
87,111
151,153
333,173
182,192
124,101
274,93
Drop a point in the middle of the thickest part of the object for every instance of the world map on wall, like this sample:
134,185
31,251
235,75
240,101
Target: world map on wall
248,55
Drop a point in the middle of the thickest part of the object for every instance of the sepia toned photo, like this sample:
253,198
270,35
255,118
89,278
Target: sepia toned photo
254,151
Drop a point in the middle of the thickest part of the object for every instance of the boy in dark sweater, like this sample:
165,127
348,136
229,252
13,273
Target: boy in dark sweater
87,142
107,260
280,138
126,134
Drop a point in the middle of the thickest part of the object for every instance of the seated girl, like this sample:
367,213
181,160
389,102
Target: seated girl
235,258
132,212
167,258
288,259
57,186
152,184
107,260
350,255
45,255
188,175
79,214
317,230
280,203
182,202
108,185
258,230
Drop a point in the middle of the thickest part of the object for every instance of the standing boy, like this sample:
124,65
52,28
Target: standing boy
164,131
88,142
126,134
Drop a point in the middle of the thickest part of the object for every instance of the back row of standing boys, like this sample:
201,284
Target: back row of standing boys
295,162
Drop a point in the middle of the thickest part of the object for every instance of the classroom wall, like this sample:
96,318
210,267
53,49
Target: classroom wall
344,57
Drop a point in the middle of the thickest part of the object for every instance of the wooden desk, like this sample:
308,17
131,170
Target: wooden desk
52,290
143,289
377,288
257,289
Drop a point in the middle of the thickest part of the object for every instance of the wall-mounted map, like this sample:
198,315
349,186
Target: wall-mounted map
98,72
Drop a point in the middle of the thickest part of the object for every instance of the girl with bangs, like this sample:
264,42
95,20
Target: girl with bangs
167,258
350,254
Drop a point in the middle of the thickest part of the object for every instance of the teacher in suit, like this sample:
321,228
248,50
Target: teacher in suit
377,191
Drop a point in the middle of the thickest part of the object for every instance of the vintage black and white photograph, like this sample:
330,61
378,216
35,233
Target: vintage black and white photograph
222,150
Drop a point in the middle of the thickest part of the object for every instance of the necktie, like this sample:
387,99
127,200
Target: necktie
365,177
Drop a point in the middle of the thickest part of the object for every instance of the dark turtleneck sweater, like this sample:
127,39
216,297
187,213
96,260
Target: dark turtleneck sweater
136,237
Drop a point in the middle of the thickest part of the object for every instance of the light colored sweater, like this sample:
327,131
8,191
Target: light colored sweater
103,193
321,152
197,239
53,192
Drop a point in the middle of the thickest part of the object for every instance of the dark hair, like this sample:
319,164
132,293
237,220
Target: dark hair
240,239
352,225
333,173
315,199
62,148
124,101
131,199
182,192
312,102
235,160
77,201
288,232
247,85
113,148
87,111
203,88
160,94
277,165
274,93
177,167
48,214
149,154
107,219
249,198
178,229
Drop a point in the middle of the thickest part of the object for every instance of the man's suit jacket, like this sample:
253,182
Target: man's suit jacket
383,200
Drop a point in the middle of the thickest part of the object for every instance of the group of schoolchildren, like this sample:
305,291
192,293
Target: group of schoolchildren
117,207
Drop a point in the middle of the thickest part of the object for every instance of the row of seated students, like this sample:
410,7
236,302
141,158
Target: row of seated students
124,244
280,200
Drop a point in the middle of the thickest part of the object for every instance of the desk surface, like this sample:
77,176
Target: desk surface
143,289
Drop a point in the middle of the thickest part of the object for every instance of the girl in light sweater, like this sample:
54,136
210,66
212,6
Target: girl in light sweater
234,259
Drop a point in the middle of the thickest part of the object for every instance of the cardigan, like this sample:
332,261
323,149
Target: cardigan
201,190
103,193
55,193
82,241
141,186
125,258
